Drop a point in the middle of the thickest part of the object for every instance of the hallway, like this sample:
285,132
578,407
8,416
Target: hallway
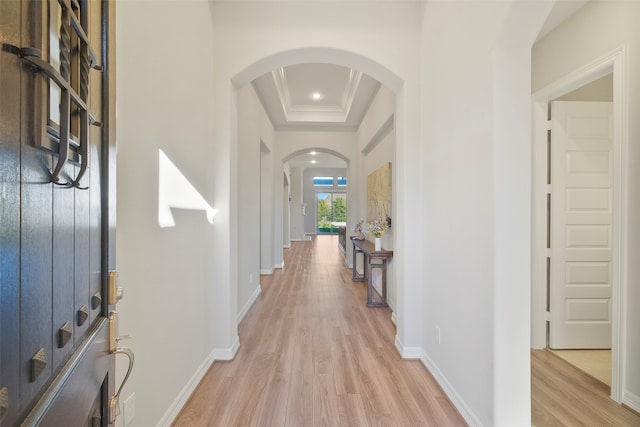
313,354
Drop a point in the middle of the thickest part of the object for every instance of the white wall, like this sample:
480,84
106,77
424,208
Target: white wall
267,203
379,38
376,147
286,207
475,206
596,30
600,90
172,277
255,195
448,143
297,217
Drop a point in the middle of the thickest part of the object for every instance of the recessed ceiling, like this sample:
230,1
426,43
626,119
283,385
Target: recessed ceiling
342,97
325,97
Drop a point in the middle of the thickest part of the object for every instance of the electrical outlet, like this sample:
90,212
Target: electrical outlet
437,334
129,409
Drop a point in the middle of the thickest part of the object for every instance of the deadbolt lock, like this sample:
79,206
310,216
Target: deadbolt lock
115,292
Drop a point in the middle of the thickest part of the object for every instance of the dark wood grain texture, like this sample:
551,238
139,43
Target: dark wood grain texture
36,267
82,246
10,210
94,282
52,236
63,269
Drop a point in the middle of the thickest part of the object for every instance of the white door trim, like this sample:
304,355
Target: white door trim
613,62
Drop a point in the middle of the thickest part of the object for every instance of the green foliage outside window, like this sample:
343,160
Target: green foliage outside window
339,209
332,207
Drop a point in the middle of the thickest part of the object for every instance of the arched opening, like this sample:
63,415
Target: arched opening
319,177
355,169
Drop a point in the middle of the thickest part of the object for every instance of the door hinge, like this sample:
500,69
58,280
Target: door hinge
549,125
547,316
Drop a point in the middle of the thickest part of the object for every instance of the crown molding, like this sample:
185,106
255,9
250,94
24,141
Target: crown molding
316,113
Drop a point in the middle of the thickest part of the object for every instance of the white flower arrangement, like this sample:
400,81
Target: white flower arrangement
377,227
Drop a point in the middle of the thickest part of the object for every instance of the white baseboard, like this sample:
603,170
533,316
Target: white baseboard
287,246
279,266
304,239
394,319
177,405
267,272
249,304
455,398
407,352
227,353
631,400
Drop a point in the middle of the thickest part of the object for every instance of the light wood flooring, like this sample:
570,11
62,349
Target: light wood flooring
563,395
313,354
596,363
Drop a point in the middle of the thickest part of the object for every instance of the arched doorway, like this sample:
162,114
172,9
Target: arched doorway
408,289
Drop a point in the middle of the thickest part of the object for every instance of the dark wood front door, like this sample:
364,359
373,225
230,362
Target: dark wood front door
56,212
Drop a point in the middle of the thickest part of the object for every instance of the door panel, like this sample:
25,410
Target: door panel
81,266
9,213
95,231
582,179
35,272
72,399
63,275
56,248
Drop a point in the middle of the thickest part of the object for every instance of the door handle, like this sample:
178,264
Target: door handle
114,338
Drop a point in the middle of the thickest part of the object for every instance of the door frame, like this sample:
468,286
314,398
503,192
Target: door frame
614,62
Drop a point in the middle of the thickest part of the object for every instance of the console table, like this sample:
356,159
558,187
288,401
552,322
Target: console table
367,249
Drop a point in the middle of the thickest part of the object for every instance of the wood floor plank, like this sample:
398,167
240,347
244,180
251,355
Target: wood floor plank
312,354
562,395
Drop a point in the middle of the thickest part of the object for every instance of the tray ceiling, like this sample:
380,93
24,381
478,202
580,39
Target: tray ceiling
316,97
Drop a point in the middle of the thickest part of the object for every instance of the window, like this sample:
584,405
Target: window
331,211
342,181
323,181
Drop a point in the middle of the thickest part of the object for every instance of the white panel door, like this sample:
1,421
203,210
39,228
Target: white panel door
581,229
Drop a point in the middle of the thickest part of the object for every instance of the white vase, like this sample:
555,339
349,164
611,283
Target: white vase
378,244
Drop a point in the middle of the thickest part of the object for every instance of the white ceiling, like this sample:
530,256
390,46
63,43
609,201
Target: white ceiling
344,97
322,160
561,11
345,94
